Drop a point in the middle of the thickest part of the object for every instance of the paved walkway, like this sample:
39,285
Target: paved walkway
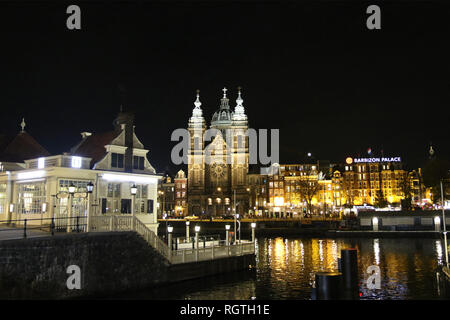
9,233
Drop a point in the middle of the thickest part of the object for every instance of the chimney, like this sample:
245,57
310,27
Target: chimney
125,121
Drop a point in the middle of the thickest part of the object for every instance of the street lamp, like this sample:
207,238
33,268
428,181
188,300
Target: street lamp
253,231
89,189
133,191
227,228
72,190
239,228
197,230
187,230
169,240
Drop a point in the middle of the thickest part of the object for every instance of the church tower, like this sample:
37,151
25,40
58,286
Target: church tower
196,160
240,151
218,171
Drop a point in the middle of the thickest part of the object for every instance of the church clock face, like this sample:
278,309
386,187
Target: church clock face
218,170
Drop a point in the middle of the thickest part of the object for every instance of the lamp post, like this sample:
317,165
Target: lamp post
444,225
253,231
239,229
72,190
227,228
197,230
169,240
89,189
133,191
187,230
235,213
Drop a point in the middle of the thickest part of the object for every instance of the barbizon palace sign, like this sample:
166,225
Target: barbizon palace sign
365,160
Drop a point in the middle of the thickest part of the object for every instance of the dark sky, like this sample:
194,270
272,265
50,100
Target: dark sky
311,69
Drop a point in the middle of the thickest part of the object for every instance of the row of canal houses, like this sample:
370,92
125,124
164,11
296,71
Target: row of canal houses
37,186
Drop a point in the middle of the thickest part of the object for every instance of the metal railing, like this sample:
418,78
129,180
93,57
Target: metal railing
40,226
213,249
211,252
210,248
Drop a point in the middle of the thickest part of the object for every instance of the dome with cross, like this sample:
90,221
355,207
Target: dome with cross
224,115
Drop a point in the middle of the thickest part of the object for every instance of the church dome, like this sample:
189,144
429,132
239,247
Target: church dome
224,115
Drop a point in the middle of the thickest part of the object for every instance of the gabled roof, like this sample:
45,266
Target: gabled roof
93,146
21,147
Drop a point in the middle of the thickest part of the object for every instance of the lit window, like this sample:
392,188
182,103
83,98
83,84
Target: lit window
76,162
41,163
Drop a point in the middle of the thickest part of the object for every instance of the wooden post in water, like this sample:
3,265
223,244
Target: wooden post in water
328,285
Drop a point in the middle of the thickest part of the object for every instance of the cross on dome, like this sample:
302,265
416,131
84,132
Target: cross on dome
239,100
23,124
197,102
224,92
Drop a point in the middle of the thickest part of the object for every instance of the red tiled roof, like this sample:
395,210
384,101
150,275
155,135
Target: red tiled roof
94,146
21,147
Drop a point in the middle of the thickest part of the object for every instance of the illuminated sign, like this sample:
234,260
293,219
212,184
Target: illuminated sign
366,160
349,160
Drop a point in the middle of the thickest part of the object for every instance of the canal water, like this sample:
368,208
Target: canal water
286,268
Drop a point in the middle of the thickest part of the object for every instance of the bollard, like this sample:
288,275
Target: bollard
25,228
328,285
349,268
52,226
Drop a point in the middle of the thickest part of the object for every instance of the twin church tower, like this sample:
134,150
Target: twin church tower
217,172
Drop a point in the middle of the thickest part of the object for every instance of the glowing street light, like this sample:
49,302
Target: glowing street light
253,225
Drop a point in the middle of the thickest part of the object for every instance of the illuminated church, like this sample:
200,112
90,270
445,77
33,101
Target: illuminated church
218,162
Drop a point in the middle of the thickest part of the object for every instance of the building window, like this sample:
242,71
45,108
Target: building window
209,201
113,198
141,198
116,160
41,163
3,208
138,163
31,197
76,162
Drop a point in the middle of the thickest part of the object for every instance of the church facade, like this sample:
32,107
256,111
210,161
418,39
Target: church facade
218,160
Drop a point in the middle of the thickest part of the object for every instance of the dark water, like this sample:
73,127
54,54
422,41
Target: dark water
286,269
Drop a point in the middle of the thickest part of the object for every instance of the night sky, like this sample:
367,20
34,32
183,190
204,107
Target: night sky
311,69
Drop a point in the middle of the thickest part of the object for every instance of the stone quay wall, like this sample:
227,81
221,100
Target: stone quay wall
110,262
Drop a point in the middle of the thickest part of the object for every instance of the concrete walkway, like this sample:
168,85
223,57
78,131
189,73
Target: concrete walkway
9,233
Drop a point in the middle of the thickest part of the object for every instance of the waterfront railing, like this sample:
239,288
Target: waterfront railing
215,249
209,248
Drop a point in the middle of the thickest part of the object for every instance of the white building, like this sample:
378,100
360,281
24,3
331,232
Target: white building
113,162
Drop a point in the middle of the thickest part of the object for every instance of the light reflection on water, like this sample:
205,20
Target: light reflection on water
286,269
